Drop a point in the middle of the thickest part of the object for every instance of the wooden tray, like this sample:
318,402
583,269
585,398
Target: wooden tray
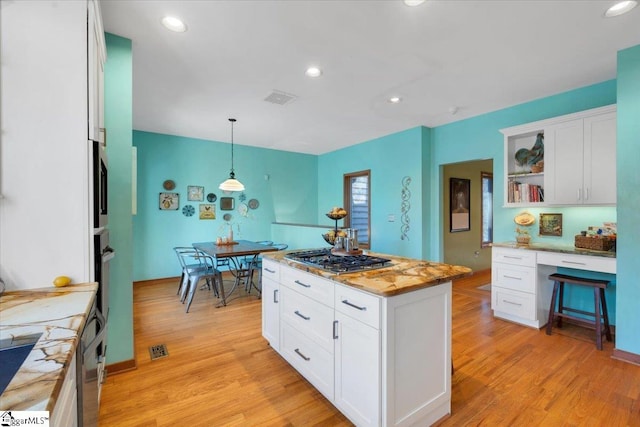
226,244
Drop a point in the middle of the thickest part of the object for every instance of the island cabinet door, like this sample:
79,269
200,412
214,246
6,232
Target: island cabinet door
271,312
357,370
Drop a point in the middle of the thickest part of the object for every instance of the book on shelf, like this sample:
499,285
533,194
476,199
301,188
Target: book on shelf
519,192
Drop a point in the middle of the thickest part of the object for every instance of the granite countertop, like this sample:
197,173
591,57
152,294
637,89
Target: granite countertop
404,275
565,249
56,313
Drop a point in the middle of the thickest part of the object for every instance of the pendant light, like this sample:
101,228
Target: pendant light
232,184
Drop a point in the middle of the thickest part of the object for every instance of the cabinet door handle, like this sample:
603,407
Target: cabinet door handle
574,262
269,270
512,303
586,194
302,284
297,350
579,194
512,257
513,277
344,301
335,329
275,296
302,315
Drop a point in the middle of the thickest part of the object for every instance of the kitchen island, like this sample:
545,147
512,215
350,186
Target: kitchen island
46,379
376,343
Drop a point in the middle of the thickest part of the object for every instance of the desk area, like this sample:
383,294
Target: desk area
520,287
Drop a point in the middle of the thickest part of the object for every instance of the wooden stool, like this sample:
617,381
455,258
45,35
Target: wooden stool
599,299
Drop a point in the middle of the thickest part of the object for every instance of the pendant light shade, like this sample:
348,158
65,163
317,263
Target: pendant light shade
231,184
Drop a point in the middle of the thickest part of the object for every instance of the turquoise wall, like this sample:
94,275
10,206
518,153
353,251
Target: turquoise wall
118,121
628,177
284,183
390,158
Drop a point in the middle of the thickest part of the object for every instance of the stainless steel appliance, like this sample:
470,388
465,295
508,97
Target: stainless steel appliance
323,258
100,184
90,367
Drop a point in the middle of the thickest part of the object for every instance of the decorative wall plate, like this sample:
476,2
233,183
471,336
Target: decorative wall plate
169,201
169,185
253,204
211,197
243,209
188,210
524,218
195,193
227,217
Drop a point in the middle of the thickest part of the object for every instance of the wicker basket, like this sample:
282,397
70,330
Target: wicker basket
595,243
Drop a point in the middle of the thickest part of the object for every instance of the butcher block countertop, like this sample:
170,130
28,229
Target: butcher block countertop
402,276
59,314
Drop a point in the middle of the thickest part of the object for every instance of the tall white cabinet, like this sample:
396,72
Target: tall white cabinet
45,177
382,361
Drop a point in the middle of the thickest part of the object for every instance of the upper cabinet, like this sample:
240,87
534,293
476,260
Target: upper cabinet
97,55
563,161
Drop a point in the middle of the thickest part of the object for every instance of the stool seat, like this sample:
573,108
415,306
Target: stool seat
600,303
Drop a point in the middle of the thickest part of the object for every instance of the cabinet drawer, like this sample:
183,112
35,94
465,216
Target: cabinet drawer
514,256
271,269
358,305
513,302
308,285
311,318
311,360
580,262
514,277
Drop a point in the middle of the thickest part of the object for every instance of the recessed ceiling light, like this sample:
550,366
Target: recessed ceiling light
174,24
620,7
395,99
313,72
413,2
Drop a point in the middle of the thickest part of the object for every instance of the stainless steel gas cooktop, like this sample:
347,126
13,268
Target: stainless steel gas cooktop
324,259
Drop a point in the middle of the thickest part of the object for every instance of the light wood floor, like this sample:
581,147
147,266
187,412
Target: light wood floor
221,372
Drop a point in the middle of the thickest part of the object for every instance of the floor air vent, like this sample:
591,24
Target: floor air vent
158,351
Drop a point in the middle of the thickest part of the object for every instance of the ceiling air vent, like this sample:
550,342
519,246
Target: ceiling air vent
280,98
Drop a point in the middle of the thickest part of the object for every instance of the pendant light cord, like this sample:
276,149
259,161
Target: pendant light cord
232,172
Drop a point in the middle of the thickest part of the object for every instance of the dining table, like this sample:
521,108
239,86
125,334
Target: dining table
240,257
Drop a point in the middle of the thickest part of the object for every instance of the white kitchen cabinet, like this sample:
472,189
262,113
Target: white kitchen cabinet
271,302
97,55
382,361
357,370
45,141
579,161
65,412
515,294
581,165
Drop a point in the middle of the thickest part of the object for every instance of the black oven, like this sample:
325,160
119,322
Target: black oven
100,182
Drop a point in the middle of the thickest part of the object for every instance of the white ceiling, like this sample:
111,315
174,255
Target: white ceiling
478,56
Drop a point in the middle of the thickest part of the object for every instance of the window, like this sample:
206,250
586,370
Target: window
487,208
357,202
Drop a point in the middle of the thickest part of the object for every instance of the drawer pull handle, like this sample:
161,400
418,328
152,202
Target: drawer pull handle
302,284
344,301
512,257
335,329
512,303
269,271
573,262
297,350
302,315
275,296
513,277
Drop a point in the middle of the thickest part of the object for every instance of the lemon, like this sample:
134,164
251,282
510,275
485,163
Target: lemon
61,281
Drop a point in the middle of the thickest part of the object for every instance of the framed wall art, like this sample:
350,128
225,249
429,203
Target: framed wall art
227,203
207,211
195,193
169,201
551,224
459,204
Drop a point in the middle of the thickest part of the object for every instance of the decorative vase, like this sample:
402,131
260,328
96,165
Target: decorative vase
230,233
